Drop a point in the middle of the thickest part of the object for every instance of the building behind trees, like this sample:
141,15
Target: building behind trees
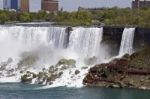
24,6
50,5
29,5
140,4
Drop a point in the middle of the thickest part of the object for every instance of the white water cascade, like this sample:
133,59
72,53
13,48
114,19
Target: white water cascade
45,46
15,40
127,41
86,42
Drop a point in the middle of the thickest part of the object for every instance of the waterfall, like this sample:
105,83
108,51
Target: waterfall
45,46
15,40
83,41
86,41
127,41
54,36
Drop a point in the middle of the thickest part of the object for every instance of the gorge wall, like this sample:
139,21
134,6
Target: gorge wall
113,35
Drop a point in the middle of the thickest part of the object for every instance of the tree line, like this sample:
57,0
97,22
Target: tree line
107,16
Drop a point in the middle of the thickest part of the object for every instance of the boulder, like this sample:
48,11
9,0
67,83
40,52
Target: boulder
27,78
69,62
77,72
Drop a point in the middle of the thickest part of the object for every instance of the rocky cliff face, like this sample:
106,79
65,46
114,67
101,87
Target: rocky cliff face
112,36
127,72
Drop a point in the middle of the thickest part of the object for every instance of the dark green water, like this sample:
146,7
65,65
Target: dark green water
24,91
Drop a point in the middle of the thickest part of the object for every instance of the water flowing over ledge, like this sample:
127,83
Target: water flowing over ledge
42,49
127,41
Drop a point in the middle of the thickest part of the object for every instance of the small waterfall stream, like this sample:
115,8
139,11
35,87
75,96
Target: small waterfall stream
126,46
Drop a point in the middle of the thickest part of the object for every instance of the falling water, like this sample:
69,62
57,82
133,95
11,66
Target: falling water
46,46
127,41
86,41
19,38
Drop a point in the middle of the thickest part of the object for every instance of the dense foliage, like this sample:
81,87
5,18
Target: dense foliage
123,17
108,16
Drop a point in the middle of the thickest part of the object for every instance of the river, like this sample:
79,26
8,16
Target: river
25,91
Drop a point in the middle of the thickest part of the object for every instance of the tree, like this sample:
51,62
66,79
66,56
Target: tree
3,17
25,17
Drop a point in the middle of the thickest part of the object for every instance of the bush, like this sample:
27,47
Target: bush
25,17
3,17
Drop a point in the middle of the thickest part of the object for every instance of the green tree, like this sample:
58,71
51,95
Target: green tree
25,17
3,17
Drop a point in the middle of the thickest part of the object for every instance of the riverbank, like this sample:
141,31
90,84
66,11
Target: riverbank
130,71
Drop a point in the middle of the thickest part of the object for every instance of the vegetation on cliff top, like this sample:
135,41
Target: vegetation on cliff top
109,16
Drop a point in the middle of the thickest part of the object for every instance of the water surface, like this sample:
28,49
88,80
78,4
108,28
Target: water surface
25,91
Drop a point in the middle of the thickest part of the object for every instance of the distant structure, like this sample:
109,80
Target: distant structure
14,4
1,4
38,5
24,6
30,5
35,5
89,9
140,4
7,4
50,5
10,4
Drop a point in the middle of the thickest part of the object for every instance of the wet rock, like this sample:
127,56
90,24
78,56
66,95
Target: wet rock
21,71
114,86
48,78
53,77
126,56
84,67
27,78
60,73
51,69
121,72
69,62
77,72
41,77
69,29
63,67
